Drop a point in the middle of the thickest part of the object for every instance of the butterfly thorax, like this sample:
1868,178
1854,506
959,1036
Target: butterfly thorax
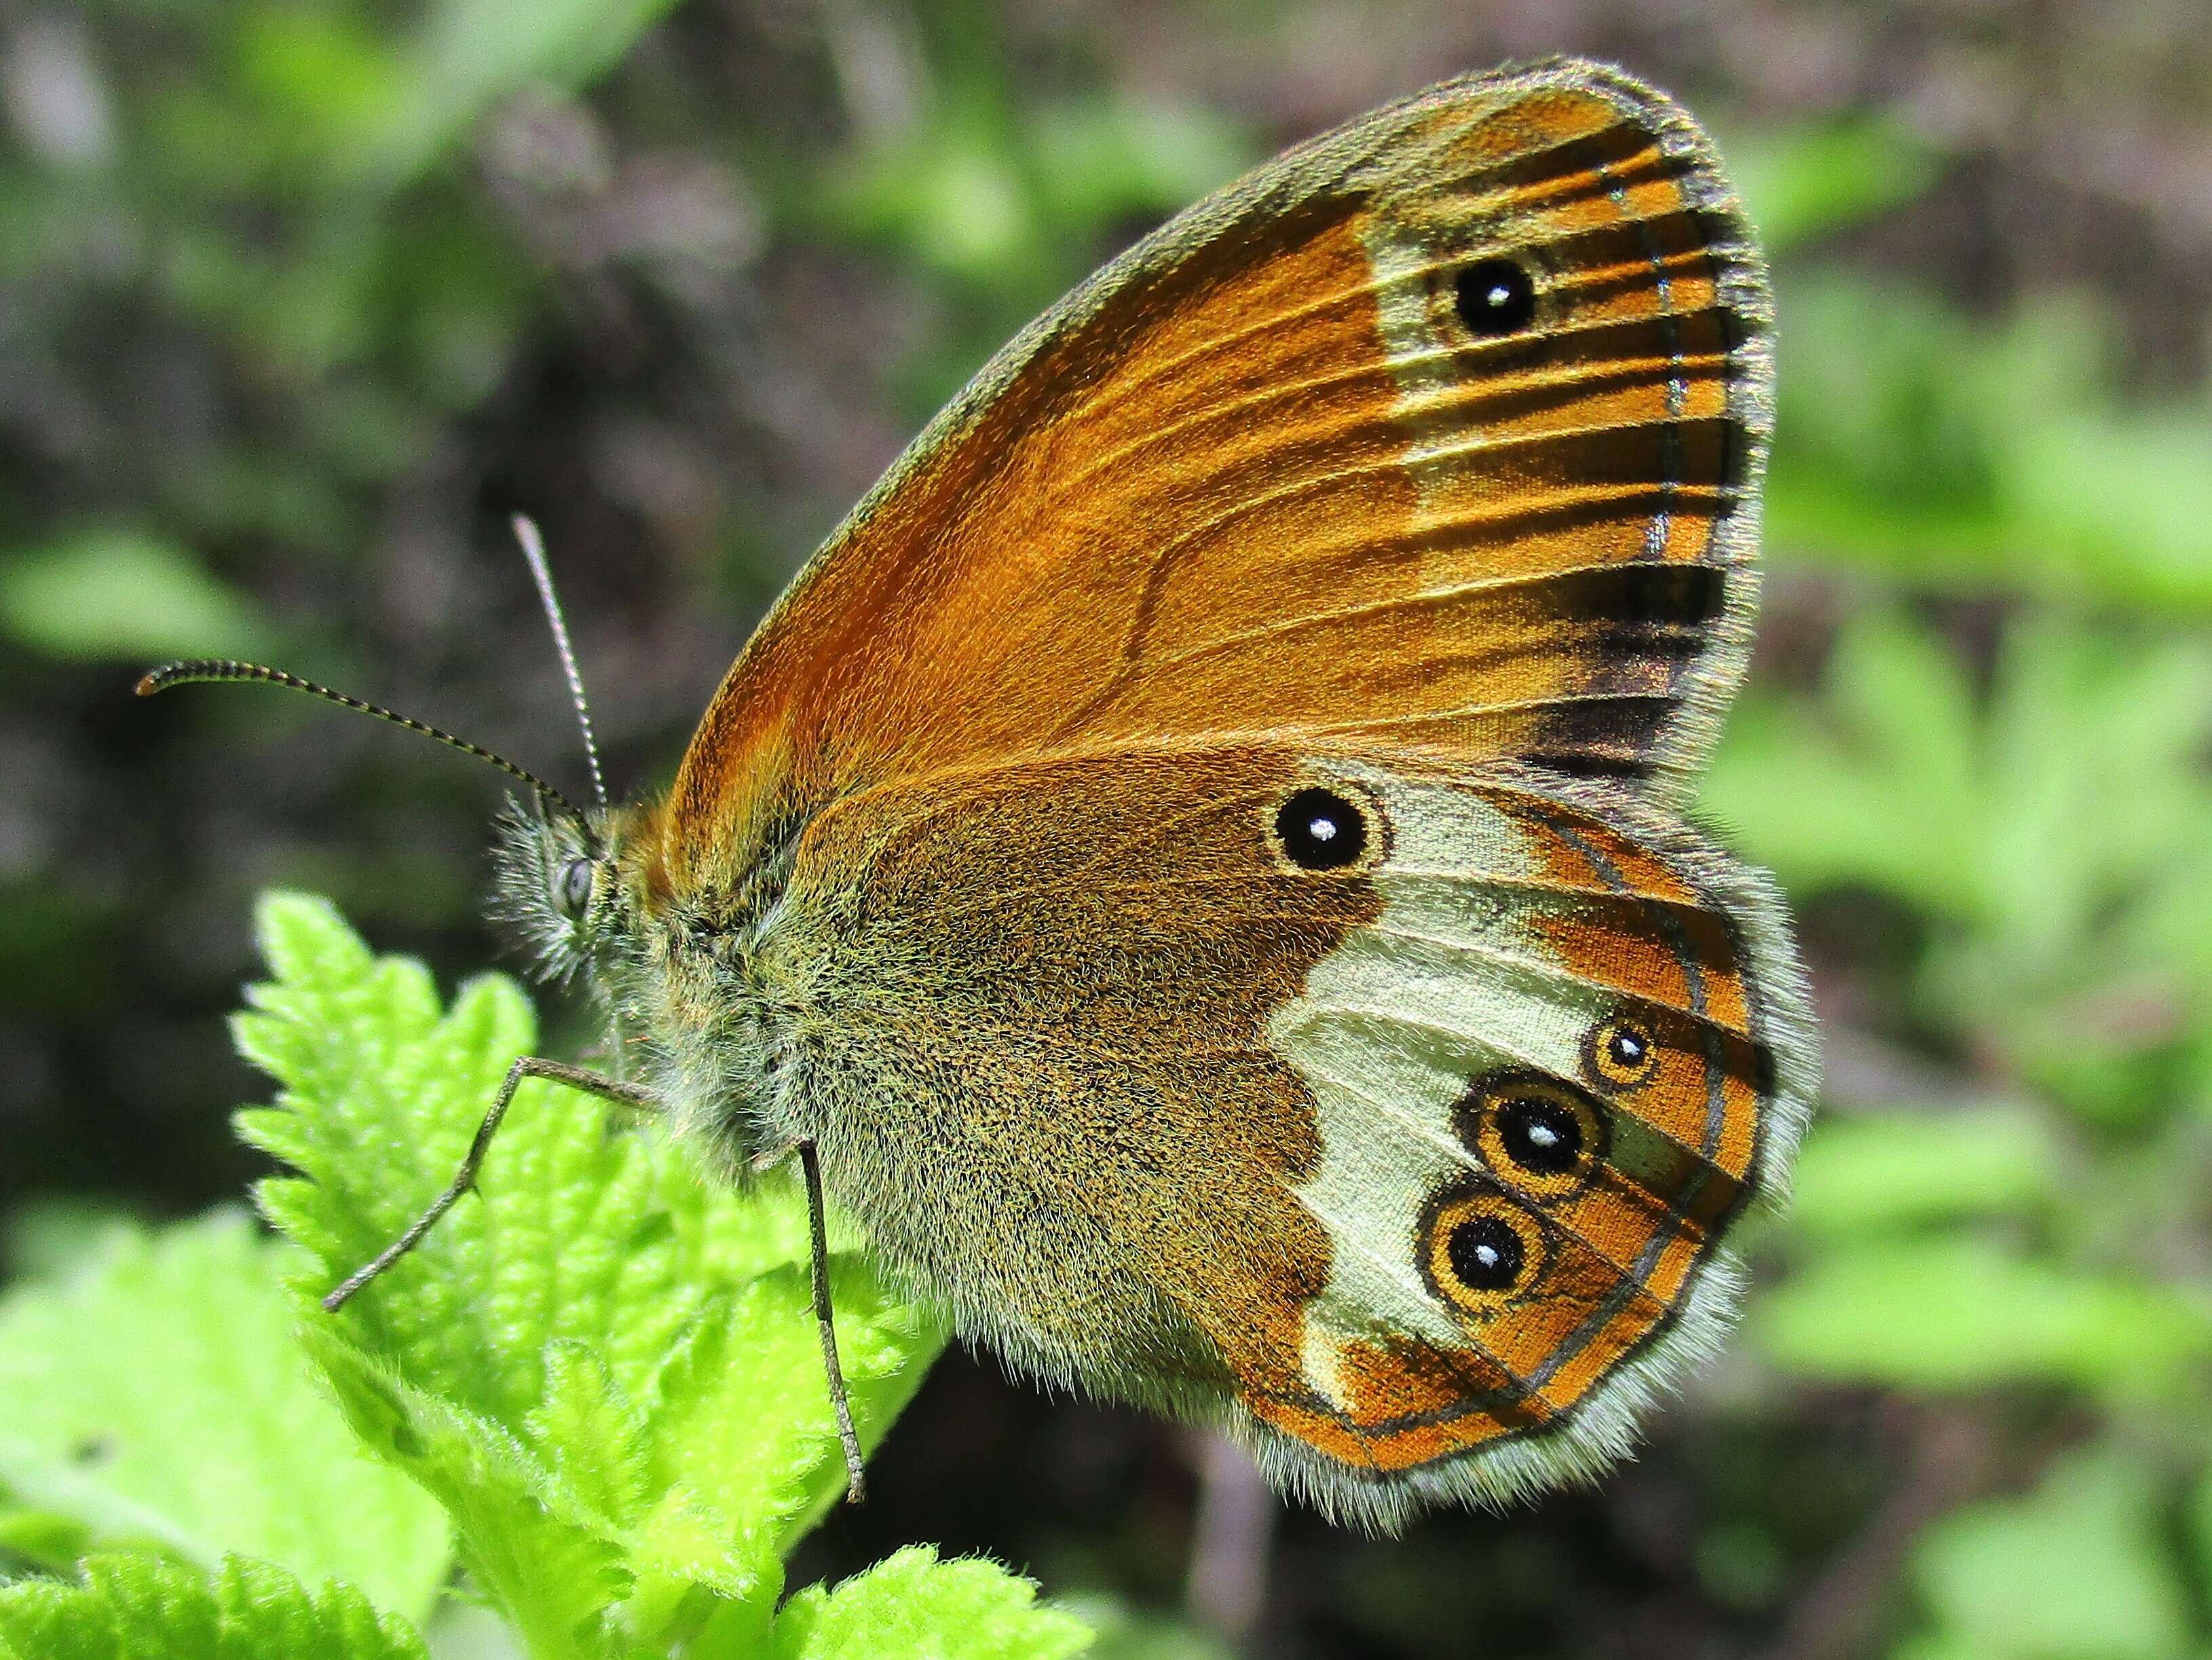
698,1007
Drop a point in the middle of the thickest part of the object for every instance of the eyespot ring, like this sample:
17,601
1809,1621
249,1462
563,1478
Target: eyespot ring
1539,1136
1620,1053
1326,828
572,892
1480,1252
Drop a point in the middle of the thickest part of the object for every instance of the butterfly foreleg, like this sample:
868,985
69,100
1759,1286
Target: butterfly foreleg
529,1065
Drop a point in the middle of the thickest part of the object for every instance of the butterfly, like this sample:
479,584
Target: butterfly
1199,864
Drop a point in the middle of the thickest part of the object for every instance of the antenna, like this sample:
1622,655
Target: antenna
214,669
533,549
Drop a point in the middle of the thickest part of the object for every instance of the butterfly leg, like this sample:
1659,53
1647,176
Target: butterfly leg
811,1163
530,1065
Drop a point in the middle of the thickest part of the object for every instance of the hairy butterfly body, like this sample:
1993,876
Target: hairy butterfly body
1198,857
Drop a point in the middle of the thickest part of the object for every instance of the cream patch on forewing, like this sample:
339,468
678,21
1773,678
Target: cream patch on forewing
1432,409
1426,367
1451,981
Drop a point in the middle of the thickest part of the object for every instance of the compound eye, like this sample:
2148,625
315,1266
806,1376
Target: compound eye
573,891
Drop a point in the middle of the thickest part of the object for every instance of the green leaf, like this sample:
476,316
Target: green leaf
122,593
604,1362
2078,1570
526,1540
912,1607
160,1398
572,1235
1946,454
135,1608
1958,1311
740,1403
43,1538
1893,1168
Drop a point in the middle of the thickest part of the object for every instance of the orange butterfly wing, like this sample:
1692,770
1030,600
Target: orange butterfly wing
1422,460
1261,474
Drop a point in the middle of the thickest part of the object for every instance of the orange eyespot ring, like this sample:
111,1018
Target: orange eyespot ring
1620,1054
1327,828
1482,1252
1539,1136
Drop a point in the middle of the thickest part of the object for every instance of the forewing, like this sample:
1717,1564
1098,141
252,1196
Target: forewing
1284,469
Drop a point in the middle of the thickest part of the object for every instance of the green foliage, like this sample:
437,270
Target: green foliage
1956,1312
2017,839
901,1607
116,594
999,199
994,209
1803,183
1940,452
122,1427
1905,1167
602,1371
130,1608
269,190
2055,843
2032,823
2080,1569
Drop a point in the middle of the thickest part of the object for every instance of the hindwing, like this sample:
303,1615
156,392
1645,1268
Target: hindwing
1406,1105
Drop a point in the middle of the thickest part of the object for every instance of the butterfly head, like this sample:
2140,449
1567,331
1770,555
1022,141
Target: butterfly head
563,886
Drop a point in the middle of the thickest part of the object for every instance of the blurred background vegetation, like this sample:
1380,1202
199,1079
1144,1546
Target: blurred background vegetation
298,300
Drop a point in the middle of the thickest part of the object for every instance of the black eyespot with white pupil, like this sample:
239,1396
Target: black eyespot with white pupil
1540,1135
573,891
1495,297
1487,1254
1481,1249
1320,831
1620,1054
